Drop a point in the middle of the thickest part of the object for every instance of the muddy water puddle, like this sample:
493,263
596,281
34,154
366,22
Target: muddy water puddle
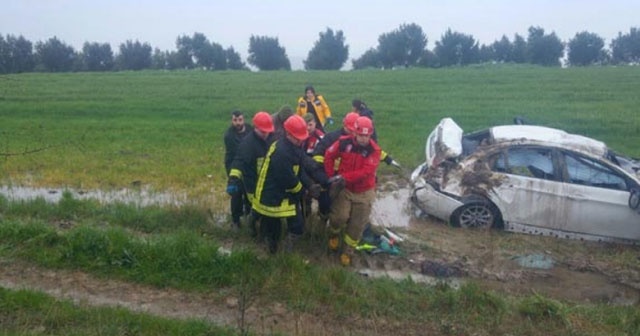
141,197
392,208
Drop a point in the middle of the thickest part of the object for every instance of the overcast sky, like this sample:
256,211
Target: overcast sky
297,23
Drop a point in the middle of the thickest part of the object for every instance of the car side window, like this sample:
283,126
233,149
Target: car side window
588,172
530,162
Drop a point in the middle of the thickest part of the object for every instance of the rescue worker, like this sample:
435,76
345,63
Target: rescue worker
280,185
248,160
316,106
363,110
348,127
359,158
315,135
239,203
278,120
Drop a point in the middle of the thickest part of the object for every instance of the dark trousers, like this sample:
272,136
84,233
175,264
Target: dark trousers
324,203
272,227
240,205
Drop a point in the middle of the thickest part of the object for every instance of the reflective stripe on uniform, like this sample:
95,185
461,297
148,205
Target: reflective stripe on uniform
295,189
285,209
262,171
235,173
350,241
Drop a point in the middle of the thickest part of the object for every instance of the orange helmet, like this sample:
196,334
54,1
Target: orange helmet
364,126
297,127
262,121
349,121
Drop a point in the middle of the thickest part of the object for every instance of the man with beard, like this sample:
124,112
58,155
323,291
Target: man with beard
251,152
240,204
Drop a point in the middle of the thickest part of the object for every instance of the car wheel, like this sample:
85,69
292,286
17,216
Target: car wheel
481,215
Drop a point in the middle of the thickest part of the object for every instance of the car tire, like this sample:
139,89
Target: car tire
476,215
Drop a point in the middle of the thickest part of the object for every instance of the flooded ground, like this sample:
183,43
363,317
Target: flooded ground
139,196
392,209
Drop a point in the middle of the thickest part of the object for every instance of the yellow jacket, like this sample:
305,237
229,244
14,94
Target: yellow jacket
322,109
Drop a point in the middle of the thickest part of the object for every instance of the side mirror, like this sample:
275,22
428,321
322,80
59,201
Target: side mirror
634,199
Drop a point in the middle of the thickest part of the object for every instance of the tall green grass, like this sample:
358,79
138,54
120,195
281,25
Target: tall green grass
164,129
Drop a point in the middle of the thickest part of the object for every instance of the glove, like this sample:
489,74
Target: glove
314,191
233,186
330,121
390,161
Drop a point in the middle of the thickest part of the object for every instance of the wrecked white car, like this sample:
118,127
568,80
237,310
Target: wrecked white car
530,179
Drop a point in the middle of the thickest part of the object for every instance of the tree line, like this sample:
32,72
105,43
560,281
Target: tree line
402,47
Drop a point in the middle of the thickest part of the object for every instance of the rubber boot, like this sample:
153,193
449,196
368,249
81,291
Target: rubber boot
346,256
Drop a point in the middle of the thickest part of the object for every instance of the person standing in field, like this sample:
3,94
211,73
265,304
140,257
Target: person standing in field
316,106
246,164
280,185
240,204
359,158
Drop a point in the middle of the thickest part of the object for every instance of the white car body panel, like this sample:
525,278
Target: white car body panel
527,200
549,136
444,142
527,203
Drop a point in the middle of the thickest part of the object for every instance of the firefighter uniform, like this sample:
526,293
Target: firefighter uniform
248,160
279,190
351,209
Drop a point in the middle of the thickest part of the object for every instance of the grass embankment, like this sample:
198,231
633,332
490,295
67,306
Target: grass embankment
124,242
164,129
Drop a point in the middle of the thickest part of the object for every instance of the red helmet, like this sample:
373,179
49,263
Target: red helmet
262,121
364,126
297,127
349,121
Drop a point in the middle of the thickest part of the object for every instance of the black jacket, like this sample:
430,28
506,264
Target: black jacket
279,186
326,142
231,141
248,160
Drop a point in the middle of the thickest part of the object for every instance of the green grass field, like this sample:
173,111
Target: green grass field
164,129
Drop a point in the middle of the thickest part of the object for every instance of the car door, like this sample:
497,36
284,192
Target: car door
531,192
597,199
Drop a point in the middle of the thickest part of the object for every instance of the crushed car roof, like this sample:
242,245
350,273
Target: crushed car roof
547,135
